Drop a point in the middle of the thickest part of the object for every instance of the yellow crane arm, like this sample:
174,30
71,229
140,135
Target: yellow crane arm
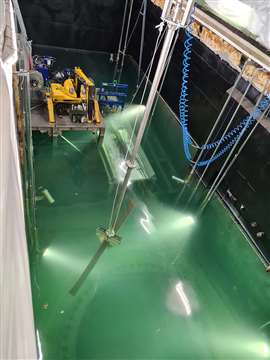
80,74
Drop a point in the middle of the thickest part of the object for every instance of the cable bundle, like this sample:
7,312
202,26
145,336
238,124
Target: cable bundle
232,136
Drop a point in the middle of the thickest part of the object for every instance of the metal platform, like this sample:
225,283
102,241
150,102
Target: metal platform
39,122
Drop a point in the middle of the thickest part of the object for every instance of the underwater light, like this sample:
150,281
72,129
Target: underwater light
183,297
46,252
188,220
184,222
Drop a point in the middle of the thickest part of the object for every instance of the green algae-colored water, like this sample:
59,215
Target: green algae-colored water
178,286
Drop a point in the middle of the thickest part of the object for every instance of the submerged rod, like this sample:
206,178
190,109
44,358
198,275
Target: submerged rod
153,91
223,171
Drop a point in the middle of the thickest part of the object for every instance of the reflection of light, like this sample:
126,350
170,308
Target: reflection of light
40,355
263,349
145,222
188,220
123,168
180,290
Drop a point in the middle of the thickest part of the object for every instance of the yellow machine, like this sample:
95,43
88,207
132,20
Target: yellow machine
76,97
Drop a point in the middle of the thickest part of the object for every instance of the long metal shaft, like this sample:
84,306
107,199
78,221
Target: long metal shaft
212,131
142,40
219,176
151,98
223,135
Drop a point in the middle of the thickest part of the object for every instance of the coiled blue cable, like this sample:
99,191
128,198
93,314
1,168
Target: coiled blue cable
232,136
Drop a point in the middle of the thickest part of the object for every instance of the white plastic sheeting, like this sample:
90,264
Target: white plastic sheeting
17,334
250,16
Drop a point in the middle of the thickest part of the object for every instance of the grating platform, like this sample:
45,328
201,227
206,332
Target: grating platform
39,122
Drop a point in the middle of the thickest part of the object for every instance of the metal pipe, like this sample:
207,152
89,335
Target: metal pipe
151,98
142,40
224,133
220,177
212,131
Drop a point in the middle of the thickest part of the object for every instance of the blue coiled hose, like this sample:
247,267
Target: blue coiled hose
232,136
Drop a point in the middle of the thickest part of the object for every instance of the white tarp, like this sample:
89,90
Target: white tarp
17,334
250,16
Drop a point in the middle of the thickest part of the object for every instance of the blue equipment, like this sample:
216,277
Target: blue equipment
43,63
112,96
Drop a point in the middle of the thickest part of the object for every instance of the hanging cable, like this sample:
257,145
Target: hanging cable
260,109
135,24
266,114
125,43
183,105
142,40
120,41
224,135
163,77
145,76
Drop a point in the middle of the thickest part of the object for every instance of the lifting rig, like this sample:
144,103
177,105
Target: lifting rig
76,96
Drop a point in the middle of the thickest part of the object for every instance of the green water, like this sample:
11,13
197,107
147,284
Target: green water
177,287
